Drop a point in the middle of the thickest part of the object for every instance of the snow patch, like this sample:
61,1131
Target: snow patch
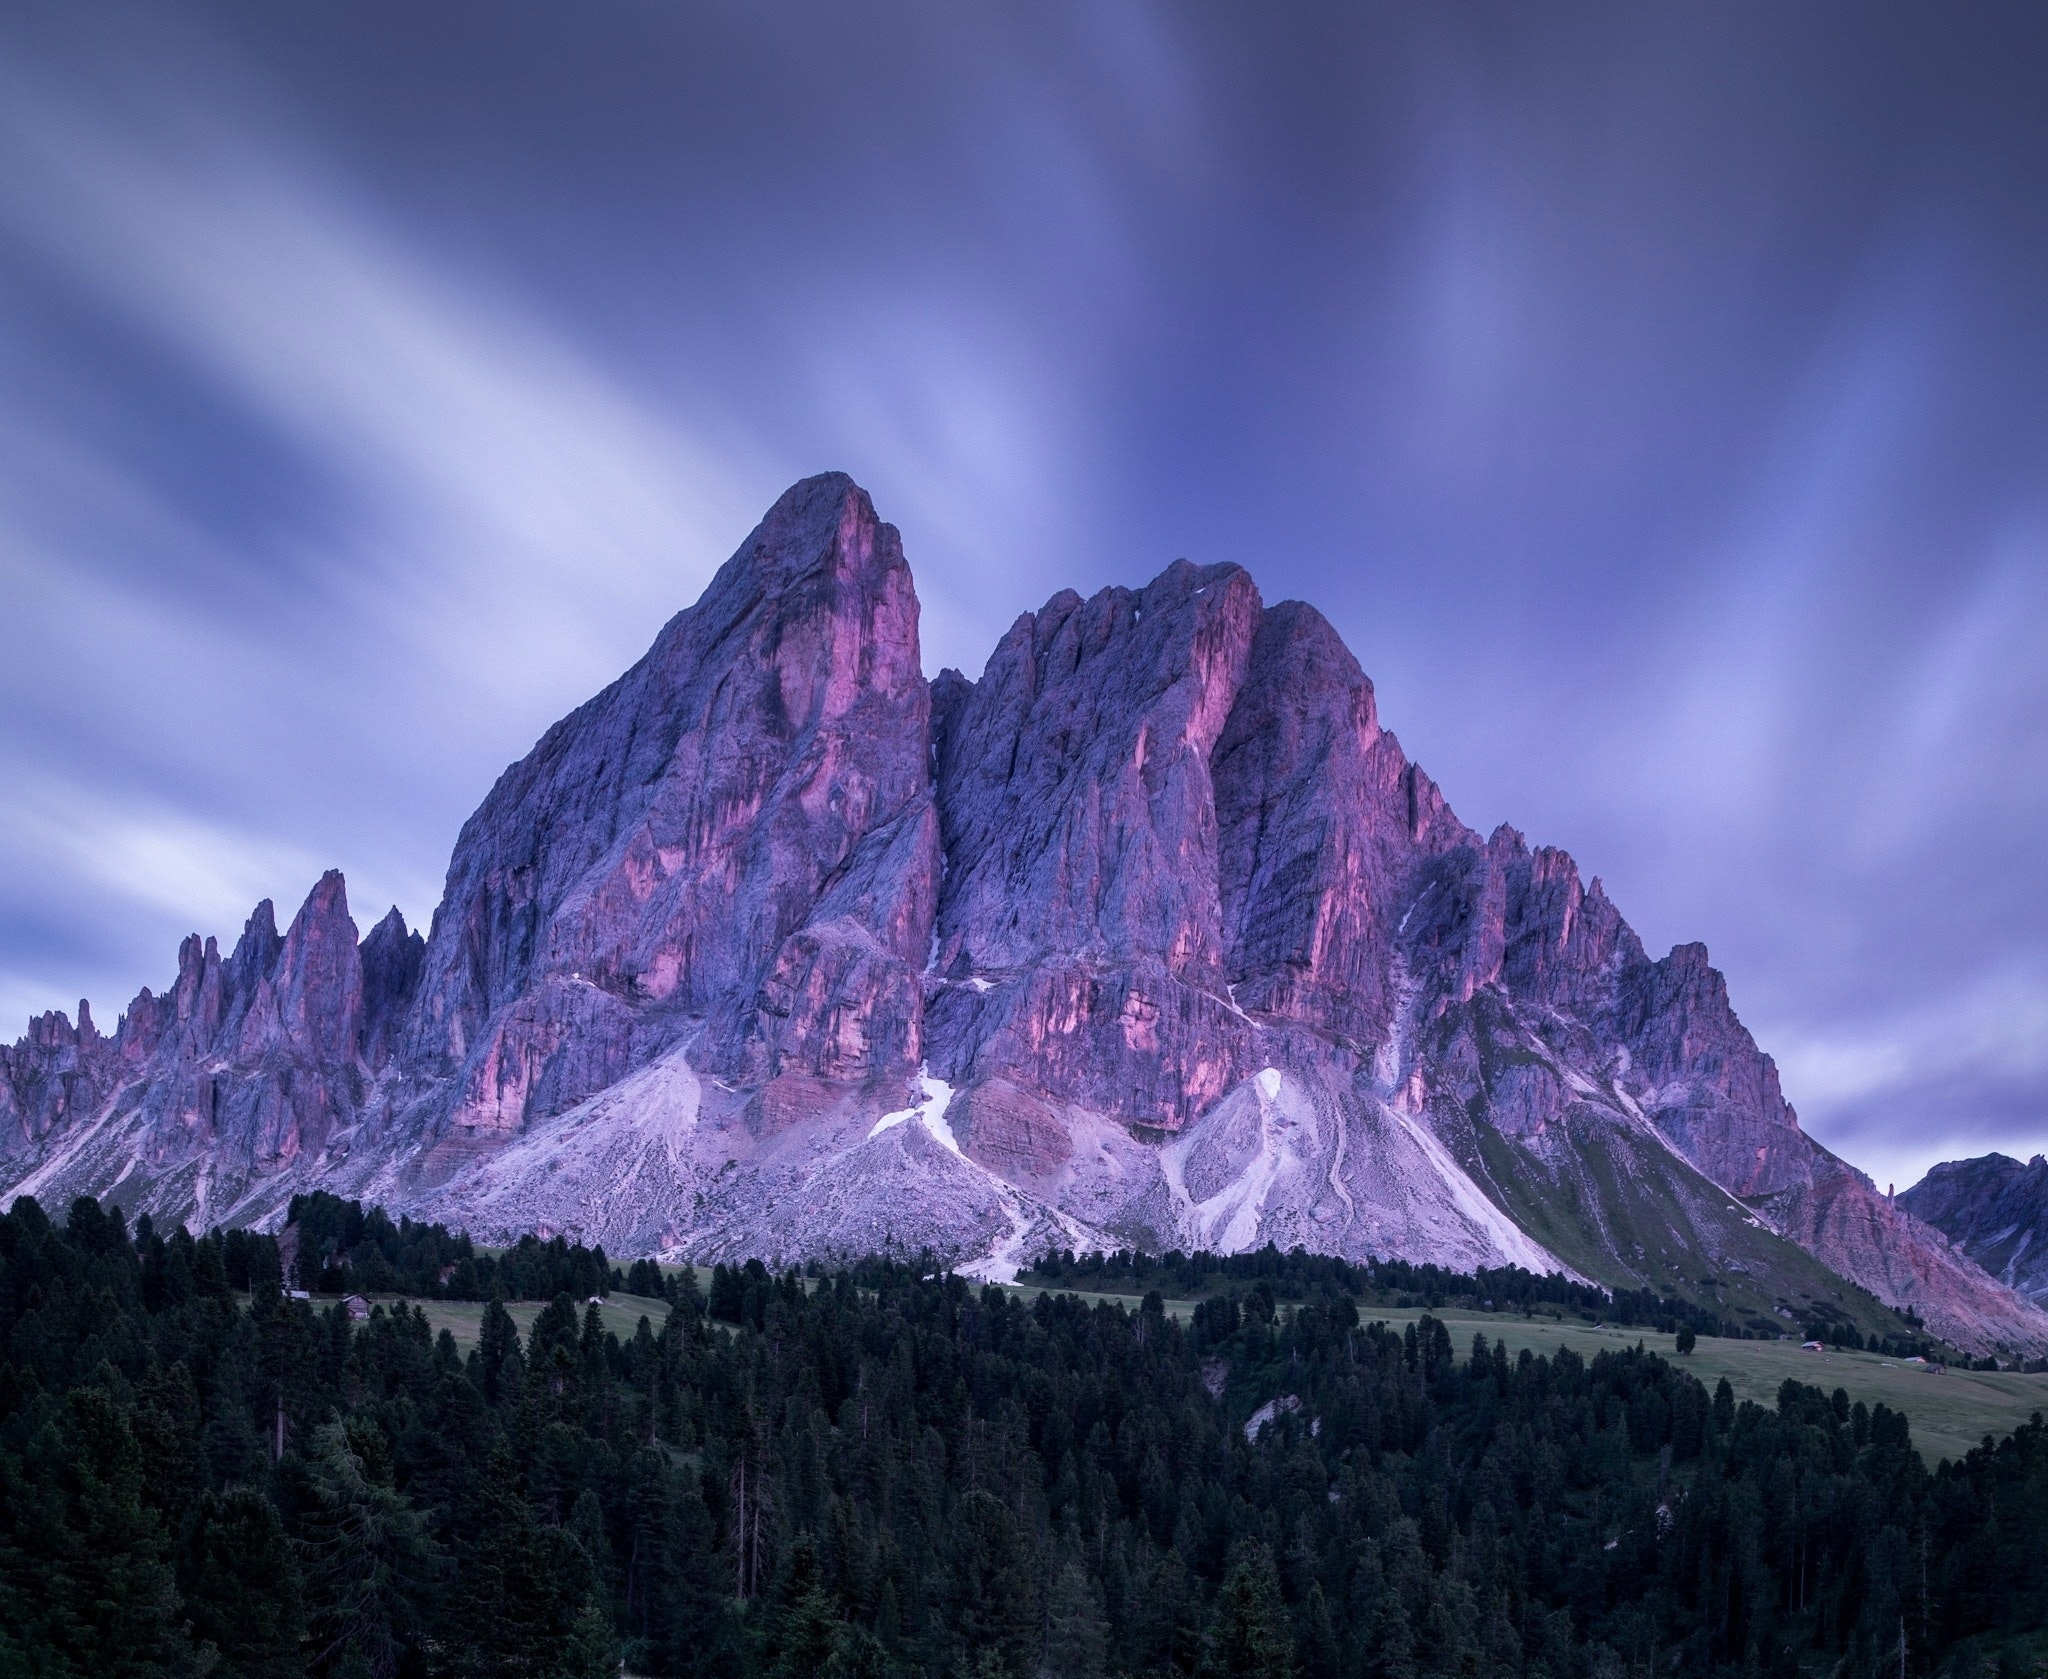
930,1108
938,1097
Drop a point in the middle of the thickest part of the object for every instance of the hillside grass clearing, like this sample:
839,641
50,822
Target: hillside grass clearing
464,1318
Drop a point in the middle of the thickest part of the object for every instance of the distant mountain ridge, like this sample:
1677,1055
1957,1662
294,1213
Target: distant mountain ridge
1995,1210
1151,936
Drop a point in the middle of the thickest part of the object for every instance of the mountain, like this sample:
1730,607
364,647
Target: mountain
1151,935
1996,1211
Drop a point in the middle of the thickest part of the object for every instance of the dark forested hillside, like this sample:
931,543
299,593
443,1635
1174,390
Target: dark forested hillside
874,1473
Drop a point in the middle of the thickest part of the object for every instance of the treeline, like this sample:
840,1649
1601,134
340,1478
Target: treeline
881,1474
1302,1276
341,1247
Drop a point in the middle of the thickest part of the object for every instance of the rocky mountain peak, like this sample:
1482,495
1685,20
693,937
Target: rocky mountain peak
726,839
319,976
1151,934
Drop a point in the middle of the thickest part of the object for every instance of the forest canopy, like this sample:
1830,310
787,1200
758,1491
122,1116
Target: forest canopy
885,1471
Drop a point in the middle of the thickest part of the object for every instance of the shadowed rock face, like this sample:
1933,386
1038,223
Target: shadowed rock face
1996,1211
1152,935
1079,822
246,1067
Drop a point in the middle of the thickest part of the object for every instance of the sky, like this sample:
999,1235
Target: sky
1655,397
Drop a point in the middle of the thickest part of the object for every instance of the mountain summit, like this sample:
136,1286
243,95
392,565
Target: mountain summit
1151,936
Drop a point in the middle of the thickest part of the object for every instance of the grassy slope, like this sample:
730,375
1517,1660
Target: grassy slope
1619,1194
1950,1413
464,1318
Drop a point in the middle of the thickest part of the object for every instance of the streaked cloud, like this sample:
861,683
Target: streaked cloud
1657,404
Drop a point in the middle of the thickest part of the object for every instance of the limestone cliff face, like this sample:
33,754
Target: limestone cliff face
1080,929
1151,934
54,1074
1324,826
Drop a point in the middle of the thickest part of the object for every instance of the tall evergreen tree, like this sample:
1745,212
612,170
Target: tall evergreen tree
1076,1626
369,1563
1249,1637
518,1589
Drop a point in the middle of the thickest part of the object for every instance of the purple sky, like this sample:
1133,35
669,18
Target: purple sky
1656,398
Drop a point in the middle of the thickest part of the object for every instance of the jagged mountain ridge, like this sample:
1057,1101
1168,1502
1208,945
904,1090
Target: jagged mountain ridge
1995,1210
1153,934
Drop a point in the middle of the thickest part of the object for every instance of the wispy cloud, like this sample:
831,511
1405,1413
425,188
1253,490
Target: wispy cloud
157,857
495,524
1660,412
496,481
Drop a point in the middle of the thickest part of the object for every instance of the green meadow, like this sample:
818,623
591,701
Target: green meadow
464,1318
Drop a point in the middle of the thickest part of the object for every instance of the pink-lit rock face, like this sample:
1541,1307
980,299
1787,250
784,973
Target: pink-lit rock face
736,831
1152,935
1324,824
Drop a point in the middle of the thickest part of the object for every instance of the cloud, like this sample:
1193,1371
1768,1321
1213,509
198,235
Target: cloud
1940,1079
155,857
1997,1028
496,482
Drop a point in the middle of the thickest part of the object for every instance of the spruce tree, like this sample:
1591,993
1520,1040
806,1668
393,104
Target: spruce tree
113,1593
497,1340
517,1591
1077,1627
1249,1637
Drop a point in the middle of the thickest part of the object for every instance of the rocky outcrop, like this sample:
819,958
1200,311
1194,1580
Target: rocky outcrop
245,1068
1151,934
392,958
54,1075
1995,1210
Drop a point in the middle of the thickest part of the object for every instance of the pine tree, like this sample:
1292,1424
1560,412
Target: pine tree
1248,1634
1319,1654
1077,1628
593,1649
497,1340
517,1592
113,1597
587,1525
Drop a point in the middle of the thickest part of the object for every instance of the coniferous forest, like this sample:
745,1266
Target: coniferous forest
881,1472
